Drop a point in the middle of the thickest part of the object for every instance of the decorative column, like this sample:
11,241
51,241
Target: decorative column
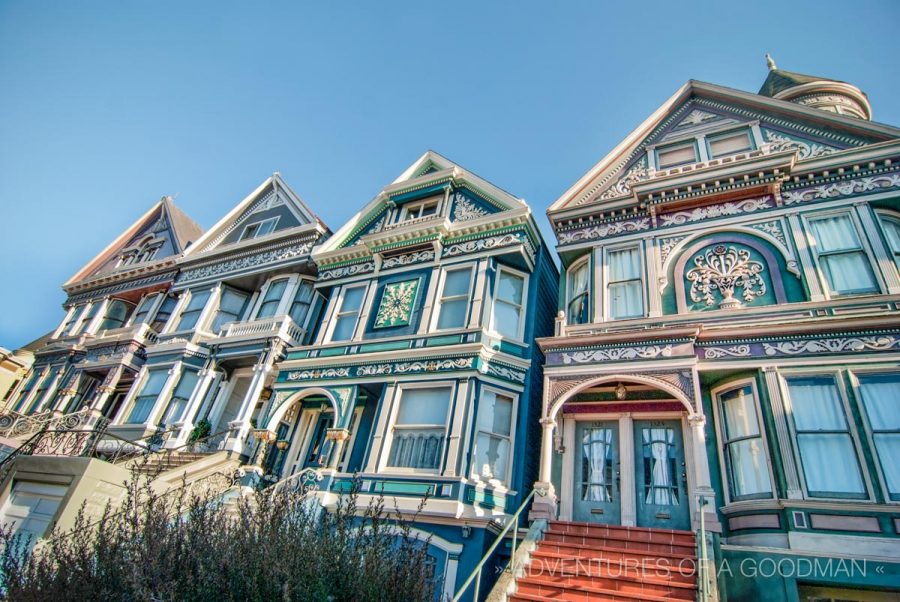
625,470
805,256
241,425
544,505
782,433
338,437
883,257
702,484
66,393
185,422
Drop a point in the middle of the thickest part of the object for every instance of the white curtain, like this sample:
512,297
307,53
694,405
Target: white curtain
625,299
749,470
596,446
826,449
881,398
659,441
847,271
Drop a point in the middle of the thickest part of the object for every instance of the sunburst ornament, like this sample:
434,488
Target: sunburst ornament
396,304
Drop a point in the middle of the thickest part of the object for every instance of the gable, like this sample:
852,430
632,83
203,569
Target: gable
273,209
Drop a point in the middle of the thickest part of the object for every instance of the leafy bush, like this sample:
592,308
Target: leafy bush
191,546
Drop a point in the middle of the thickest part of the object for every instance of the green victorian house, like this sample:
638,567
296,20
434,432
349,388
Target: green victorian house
727,353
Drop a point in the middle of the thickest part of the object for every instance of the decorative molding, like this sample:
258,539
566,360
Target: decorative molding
730,208
501,371
725,269
264,201
714,353
482,244
622,187
396,305
383,369
410,258
841,345
696,117
465,210
806,150
616,354
773,229
121,286
851,187
681,380
666,245
347,270
604,230
249,261
318,373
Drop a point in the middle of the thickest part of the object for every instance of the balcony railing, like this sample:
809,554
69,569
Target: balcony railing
280,326
143,333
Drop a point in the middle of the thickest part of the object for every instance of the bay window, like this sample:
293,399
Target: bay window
891,228
494,438
348,313
150,389
191,312
70,323
26,389
180,397
231,307
822,434
880,394
142,312
87,316
453,305
625,298
164,313
45,384
841,257
116,314
420,428
272,298
578,297
509,304
746,462
301,303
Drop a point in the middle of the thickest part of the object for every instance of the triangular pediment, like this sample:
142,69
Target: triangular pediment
272,209
435,183
700,114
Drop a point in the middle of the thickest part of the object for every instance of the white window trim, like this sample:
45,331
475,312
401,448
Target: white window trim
184,301
158,297
332,323
406,208
851,427
884,215
260,298
855,373
523,312
812,244
294,290
590,282
259,223
473,474
388,438
605,279
439,296
725,133
692,142
721,437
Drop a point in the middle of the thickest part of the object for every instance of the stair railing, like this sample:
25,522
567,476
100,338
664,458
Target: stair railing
703,572
511,523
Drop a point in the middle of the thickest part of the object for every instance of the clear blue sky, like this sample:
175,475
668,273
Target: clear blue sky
105,107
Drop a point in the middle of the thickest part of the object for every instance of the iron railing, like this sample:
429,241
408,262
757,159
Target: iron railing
511,523
16,425
702,555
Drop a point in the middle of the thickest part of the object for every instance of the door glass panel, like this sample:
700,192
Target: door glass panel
596,465
660,485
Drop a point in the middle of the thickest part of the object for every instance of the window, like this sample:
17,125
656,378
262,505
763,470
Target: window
302,301
891,228
116,315
348,314
677,154
624,283
420,209
257,229
180,397
87,317
880,393
191,312
150,390
578,295
87,386
745,457
142,313
69,326
841,256
509,303
164,313
453,306
729,144
31,507
272,298
231,306
29,385
493,441
827,455
420,428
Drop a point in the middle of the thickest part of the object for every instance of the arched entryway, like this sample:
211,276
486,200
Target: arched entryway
301,424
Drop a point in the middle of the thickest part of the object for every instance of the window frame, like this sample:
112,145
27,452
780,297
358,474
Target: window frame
523,309
407,208
126,416
237,317
836,377
692,142
513,422
259,224
577,264
855,373
864,248
197,325
440,298
337,313
708,139
388,439
293,300
884,217
607,305
723,441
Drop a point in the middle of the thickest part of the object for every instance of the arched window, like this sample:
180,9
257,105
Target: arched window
117,312
578,294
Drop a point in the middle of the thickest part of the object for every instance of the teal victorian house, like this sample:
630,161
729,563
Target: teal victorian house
424,379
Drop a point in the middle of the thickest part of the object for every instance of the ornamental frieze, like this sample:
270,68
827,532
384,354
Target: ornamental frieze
612,354
806,150
465,210
722,270
731,208
841,345
347,270
604,230
248,261
383,369
879,183
484,244
501,371
408,259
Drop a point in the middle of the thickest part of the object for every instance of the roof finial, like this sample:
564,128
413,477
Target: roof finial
770,62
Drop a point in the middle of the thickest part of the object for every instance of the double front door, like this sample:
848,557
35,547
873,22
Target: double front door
654,453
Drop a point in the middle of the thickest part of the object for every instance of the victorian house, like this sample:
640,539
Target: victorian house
726,358
423,381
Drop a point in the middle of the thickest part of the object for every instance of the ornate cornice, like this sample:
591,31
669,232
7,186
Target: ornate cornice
247,260
105,291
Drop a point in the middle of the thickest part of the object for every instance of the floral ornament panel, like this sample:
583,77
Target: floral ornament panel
397,304
725,269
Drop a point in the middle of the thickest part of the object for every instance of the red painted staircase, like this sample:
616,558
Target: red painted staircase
587,562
